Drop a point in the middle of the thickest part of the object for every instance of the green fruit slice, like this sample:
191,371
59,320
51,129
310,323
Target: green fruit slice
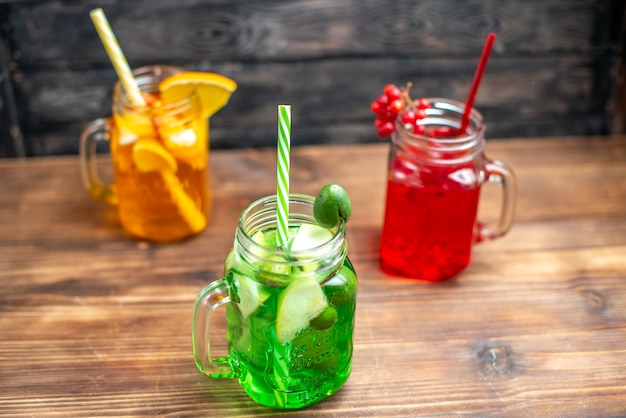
326,319
273,268
275,271
265,238
341,288
251,294
310,236
301,301
332,203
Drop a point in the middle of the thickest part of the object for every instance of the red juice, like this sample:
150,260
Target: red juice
429,220
435,173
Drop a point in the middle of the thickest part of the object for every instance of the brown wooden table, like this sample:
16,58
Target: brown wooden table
94,323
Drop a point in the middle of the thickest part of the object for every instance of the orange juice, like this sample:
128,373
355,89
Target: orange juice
163,191
159,151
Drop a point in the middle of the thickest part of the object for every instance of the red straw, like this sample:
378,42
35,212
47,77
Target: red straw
478,75
469,103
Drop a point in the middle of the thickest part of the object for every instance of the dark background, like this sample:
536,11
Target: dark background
557,67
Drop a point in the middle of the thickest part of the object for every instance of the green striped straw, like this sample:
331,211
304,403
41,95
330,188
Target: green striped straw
282,176
281,353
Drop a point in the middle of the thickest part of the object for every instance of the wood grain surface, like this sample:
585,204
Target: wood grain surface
553,70
94,323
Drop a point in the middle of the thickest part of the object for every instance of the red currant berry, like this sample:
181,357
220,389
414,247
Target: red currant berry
396,106
385,129
383,100
392,92
389,115
409,117
420,114
419,129
376,108
423,103
380,121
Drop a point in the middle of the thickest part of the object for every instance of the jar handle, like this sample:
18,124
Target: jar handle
210,298
498,172
94,132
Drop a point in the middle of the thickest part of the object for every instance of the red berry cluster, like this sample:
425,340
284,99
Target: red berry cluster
394,102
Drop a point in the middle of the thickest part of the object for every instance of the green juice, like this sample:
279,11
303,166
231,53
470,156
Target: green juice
290,326
289,309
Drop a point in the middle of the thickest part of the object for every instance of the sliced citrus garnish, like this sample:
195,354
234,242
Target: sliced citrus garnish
150,155
187,208
134,124
213,89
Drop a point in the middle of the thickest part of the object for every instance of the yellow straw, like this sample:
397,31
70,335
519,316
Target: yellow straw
116,56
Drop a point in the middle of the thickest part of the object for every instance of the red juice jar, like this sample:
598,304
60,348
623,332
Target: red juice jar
433,190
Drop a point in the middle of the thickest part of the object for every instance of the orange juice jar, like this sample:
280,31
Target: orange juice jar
160,160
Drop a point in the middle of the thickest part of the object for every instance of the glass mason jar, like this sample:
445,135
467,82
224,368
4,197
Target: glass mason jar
290,314
433,190
160,160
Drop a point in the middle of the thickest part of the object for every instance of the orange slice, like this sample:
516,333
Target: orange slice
150,155
187,208
214,89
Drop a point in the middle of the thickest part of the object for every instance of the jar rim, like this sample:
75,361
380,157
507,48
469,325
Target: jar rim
444,150
261,214
441,107
147,79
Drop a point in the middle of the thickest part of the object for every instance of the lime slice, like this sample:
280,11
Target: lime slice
251,294
301,301
310,236
332,203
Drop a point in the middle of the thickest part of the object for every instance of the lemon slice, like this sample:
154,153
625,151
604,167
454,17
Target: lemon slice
300,302
213,89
